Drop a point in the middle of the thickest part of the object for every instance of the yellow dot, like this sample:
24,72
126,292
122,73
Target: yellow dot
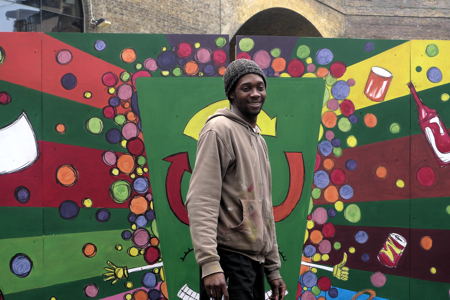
200,73
129,285
156,270
145,170
87,202
139,171
197,45
325,257
115,171
305,288
132,176
320,132
285,75
123,143
52,298
308,60
118,247
111,90
309,224
339,205
316,257
141,252
165,73
128,296
352,250
151,205
306,236
133,227
133,251
314,270
445,97
87,95
164,48
352,141
400,183
433,270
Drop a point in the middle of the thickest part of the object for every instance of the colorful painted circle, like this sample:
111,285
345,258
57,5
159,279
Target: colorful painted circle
68,209
361,237
91,290
21,265
22,194
120,191
352,213
309,279
426,176
149,280
151,255
321,179
324,56
328,229
103,215
434,74
69,81
378,279
100,45
5,98
340,90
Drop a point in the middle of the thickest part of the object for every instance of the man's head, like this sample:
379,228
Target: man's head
236,70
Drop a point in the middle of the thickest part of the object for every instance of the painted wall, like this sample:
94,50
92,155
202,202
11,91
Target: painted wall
74,179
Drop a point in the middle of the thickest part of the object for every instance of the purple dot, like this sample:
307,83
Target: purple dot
340,90
132,217
167,60
325,148
333,292
126,234
309,279
365,257
149,280
351,164
361,236
113,136
209,70
324,56
309,250
346,192
150,215
331,212
321,179
99,45
69,81
114,101
336,142
22,194
140,185
154,294
141,221
369,47
353,119
333,104
68,209
102,215
434,75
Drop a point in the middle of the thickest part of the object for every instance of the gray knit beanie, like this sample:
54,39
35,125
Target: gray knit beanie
239,68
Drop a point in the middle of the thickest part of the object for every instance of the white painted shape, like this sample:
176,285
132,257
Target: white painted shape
18,146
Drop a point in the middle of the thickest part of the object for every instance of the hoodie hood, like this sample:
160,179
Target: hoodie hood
226,112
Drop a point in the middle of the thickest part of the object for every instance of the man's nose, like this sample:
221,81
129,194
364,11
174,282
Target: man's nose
255,92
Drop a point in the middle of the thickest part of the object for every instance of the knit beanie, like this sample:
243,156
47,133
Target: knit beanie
239,68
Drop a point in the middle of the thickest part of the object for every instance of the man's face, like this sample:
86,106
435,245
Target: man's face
248,96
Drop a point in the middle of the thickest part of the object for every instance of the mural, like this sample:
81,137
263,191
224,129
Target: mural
378,220
76,204
185,104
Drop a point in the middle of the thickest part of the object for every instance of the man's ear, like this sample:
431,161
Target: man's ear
231,97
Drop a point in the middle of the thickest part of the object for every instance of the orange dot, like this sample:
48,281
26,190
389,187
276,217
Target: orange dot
125,104
279,64
163,288
321,298
128,55
322,72
138,205
315,236
131,116
140,295
381,172
191,68
329,119
66,175
331,194
154,241
125,163
328,163
89,250
426,242
370,120
60,128
221,70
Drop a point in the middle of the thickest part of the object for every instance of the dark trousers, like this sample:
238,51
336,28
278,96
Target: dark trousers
245,277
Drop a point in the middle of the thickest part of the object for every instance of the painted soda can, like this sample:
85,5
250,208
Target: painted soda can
392,250
377,84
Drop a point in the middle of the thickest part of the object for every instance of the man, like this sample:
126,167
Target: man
229,200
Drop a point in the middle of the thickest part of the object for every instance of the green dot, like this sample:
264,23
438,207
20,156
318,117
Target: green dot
138,66
177,72
448,209
394,128
352,213
445,97
432,50
275,52
120,191
141,160
246,44
125,76
221,41
315,290
94,125
326,96
344,124
120,119
154,228
303,51
330,80
316,193
337,245
311,205
418,69
337,151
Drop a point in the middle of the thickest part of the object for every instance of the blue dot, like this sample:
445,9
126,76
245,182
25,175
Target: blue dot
21,265
22,194
141,221
309,279
365,257
309,250
321,179
346,192
132,217
154,294
209,70
434,75
99,45
69,81
333,292
336,142
68,209
150,215
140,185
114,101
126,234
369,47
324,56
361,236
351,164
325,148
353,119
340,90
331,212
167,60
102,215
113,136
149,280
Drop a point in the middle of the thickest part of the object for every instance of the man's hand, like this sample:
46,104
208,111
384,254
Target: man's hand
278,289
215,286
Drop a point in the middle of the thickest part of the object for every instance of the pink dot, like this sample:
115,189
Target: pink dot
203,55
378,279
109,112
64,57
329,135
91,290
320,215
328,230
351,82
333,104
109,158
311,68
150,64
347,107
337,69
307,295
243,55
184,50
338,176
325,246
109,79
426,176
296,68
125,92
219,57
5,98
262,58
130,130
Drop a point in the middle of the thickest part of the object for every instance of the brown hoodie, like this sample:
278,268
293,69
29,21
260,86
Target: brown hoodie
229,200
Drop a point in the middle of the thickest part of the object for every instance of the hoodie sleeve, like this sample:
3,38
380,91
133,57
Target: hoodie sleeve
203,199
272,262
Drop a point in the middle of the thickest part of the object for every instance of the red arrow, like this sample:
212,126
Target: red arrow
179,163
296,180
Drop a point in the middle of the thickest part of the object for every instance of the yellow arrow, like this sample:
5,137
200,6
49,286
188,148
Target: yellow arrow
196,123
